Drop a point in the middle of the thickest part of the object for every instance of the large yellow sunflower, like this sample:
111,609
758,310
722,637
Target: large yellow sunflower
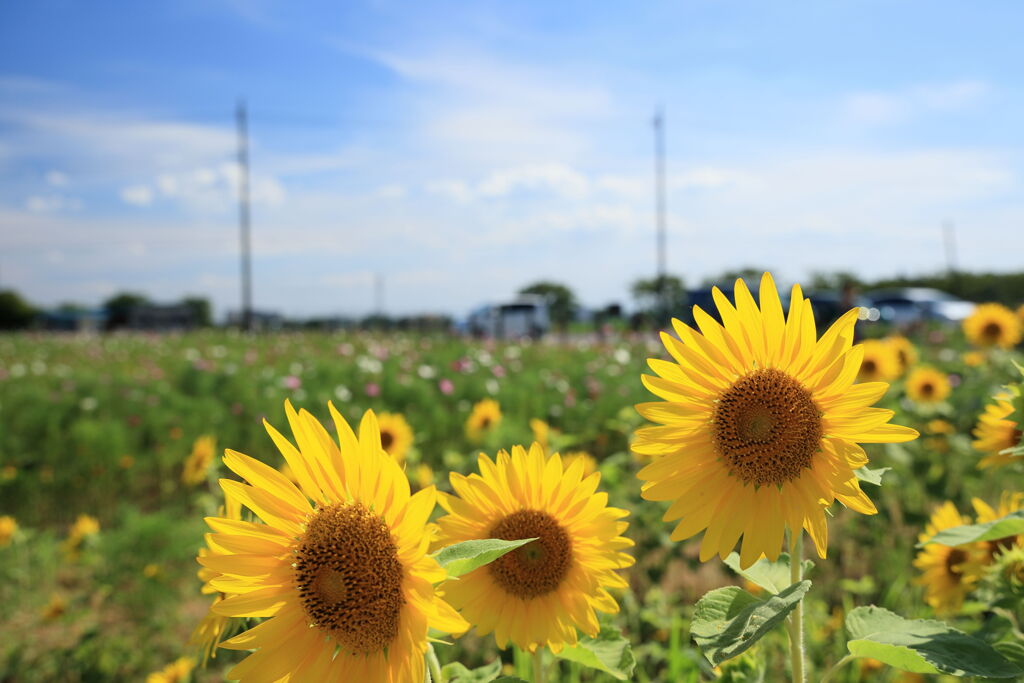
928,385
993,325
948,574
340,563
211,629
995,433
881,363
1008,502
761,421
485,416
395,435
541,593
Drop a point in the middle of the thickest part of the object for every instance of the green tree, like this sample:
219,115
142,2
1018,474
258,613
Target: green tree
15,312
200,308
560,299
660,296
120,306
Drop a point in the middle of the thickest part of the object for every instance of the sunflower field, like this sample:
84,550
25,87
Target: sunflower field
369,506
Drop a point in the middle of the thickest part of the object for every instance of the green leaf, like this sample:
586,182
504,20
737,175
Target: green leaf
456,672
509,679
771,576
730,620
1010,525
1012,650
871,476
608,652
923,646
464,557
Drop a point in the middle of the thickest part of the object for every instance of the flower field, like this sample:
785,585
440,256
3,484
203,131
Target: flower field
110,459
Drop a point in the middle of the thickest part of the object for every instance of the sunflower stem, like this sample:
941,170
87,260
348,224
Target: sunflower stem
836,667
796,619
434,666
538,665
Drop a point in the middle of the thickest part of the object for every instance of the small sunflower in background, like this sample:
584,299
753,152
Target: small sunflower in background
973,359
177,671
541,433
589,463
339,563
1008,502
881,362
8,527
759,425
947,574
993,325
540,594
395,435
906,352
198,462
486,415
996,432
928,385
85,526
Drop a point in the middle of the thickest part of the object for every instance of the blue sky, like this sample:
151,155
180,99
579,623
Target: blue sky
462,150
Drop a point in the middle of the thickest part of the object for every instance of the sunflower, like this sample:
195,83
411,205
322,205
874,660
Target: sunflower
995,433
928,385
203,450
906,353
948,574
760,423
485,416
1008,502
8,527
541,433
993,325
395,435
881,362
589,463
541,593
175,672
339,563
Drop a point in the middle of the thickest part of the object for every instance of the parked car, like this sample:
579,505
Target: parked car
526,316
910,305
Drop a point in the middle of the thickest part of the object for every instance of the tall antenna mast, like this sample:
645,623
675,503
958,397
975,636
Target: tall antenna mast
241,119
949,238
659,190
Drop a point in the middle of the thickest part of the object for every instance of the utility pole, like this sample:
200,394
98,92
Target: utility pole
659,199
378,293
241,119
949,237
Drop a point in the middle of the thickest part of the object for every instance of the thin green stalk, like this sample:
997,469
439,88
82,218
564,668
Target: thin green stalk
836,667
538,665
796,619
433,665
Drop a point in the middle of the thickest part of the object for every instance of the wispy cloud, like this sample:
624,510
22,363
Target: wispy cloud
876,108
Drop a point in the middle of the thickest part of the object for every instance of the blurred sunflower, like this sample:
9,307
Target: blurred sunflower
928,385
906,353
541,593
880,363
1020,314
194,471
1008,502
589,463
761,421
85,526
485,416
948,574
339,563
175,672
541,433
995,433
993,325
395,435
8,527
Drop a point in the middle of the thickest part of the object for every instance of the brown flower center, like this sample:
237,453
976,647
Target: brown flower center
536,568
992,332
349,577
386,439
927,389
954,559
869,367
767,428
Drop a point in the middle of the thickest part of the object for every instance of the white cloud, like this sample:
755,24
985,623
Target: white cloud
51,202
56,178
393,191
456,190
137,195
876,108
557,178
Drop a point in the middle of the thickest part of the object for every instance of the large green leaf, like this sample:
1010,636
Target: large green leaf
1010,525
458,673
464,557
608,652
923,646
771,576
730,620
